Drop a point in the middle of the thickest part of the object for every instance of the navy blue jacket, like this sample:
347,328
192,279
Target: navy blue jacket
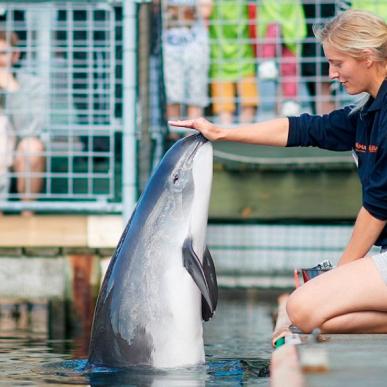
363,131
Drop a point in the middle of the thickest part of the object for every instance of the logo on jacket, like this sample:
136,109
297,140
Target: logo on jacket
364,148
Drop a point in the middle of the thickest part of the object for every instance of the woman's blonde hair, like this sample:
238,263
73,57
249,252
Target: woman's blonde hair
356,33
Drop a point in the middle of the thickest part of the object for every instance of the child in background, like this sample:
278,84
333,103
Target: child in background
281,26
186,57
232,69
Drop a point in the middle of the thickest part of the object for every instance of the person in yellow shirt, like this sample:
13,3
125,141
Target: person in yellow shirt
232,68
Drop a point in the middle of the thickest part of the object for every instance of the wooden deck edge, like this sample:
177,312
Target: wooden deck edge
281,329
285,367
90,231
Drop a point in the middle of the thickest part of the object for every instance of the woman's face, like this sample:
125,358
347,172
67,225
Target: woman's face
8,55
352,73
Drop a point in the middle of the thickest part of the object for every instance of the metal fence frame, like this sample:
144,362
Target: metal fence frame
140,138
122,125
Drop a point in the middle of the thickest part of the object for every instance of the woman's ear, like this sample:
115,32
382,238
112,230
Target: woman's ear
368,57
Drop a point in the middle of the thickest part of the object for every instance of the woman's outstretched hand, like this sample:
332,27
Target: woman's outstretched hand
206,128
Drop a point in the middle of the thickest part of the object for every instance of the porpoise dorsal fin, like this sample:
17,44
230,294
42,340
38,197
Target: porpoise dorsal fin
204,277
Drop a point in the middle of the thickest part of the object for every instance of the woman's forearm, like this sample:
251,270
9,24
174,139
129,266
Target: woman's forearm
273,132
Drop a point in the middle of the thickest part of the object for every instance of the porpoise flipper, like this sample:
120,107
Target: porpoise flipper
210,274
204,277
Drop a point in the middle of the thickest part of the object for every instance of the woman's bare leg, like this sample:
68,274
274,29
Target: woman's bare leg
357,322
349,298
194,112
29,164
226,118
173,112
247,114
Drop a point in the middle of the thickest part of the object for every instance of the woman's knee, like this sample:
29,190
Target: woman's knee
29,152
31,145
301,311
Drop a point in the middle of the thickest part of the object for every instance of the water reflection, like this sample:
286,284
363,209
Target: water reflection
195,376
231,372
45,342
23,316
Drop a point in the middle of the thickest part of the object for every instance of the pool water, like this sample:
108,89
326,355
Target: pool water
237,346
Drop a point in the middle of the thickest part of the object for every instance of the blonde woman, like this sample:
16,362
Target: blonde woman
353,296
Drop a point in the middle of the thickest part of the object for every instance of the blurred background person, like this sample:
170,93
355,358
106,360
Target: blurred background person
233,63
280,26
23,103
314,67
186,57
7,143
378,7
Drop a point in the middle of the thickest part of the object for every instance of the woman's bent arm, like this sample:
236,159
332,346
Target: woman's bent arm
366,231
273,132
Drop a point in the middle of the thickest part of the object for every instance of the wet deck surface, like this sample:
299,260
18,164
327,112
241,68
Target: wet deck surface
353,360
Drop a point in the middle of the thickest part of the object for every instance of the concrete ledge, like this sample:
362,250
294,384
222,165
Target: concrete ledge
32,277
68,277
255,280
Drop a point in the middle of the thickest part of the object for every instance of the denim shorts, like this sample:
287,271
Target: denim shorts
186,65
381,263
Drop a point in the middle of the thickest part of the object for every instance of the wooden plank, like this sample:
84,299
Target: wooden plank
104,231
47,230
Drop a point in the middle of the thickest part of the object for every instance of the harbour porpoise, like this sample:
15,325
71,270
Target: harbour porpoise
161,281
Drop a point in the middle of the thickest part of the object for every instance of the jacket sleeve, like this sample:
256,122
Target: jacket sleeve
335,131
375,193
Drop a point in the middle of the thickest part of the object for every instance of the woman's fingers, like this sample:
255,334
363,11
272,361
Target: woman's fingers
183,123
197,123
208,130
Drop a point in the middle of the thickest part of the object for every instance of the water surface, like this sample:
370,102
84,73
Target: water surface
38,348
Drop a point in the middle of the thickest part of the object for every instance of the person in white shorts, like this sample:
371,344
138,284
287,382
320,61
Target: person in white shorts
186,57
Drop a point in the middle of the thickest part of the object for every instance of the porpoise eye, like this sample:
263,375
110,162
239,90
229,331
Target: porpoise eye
175,178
